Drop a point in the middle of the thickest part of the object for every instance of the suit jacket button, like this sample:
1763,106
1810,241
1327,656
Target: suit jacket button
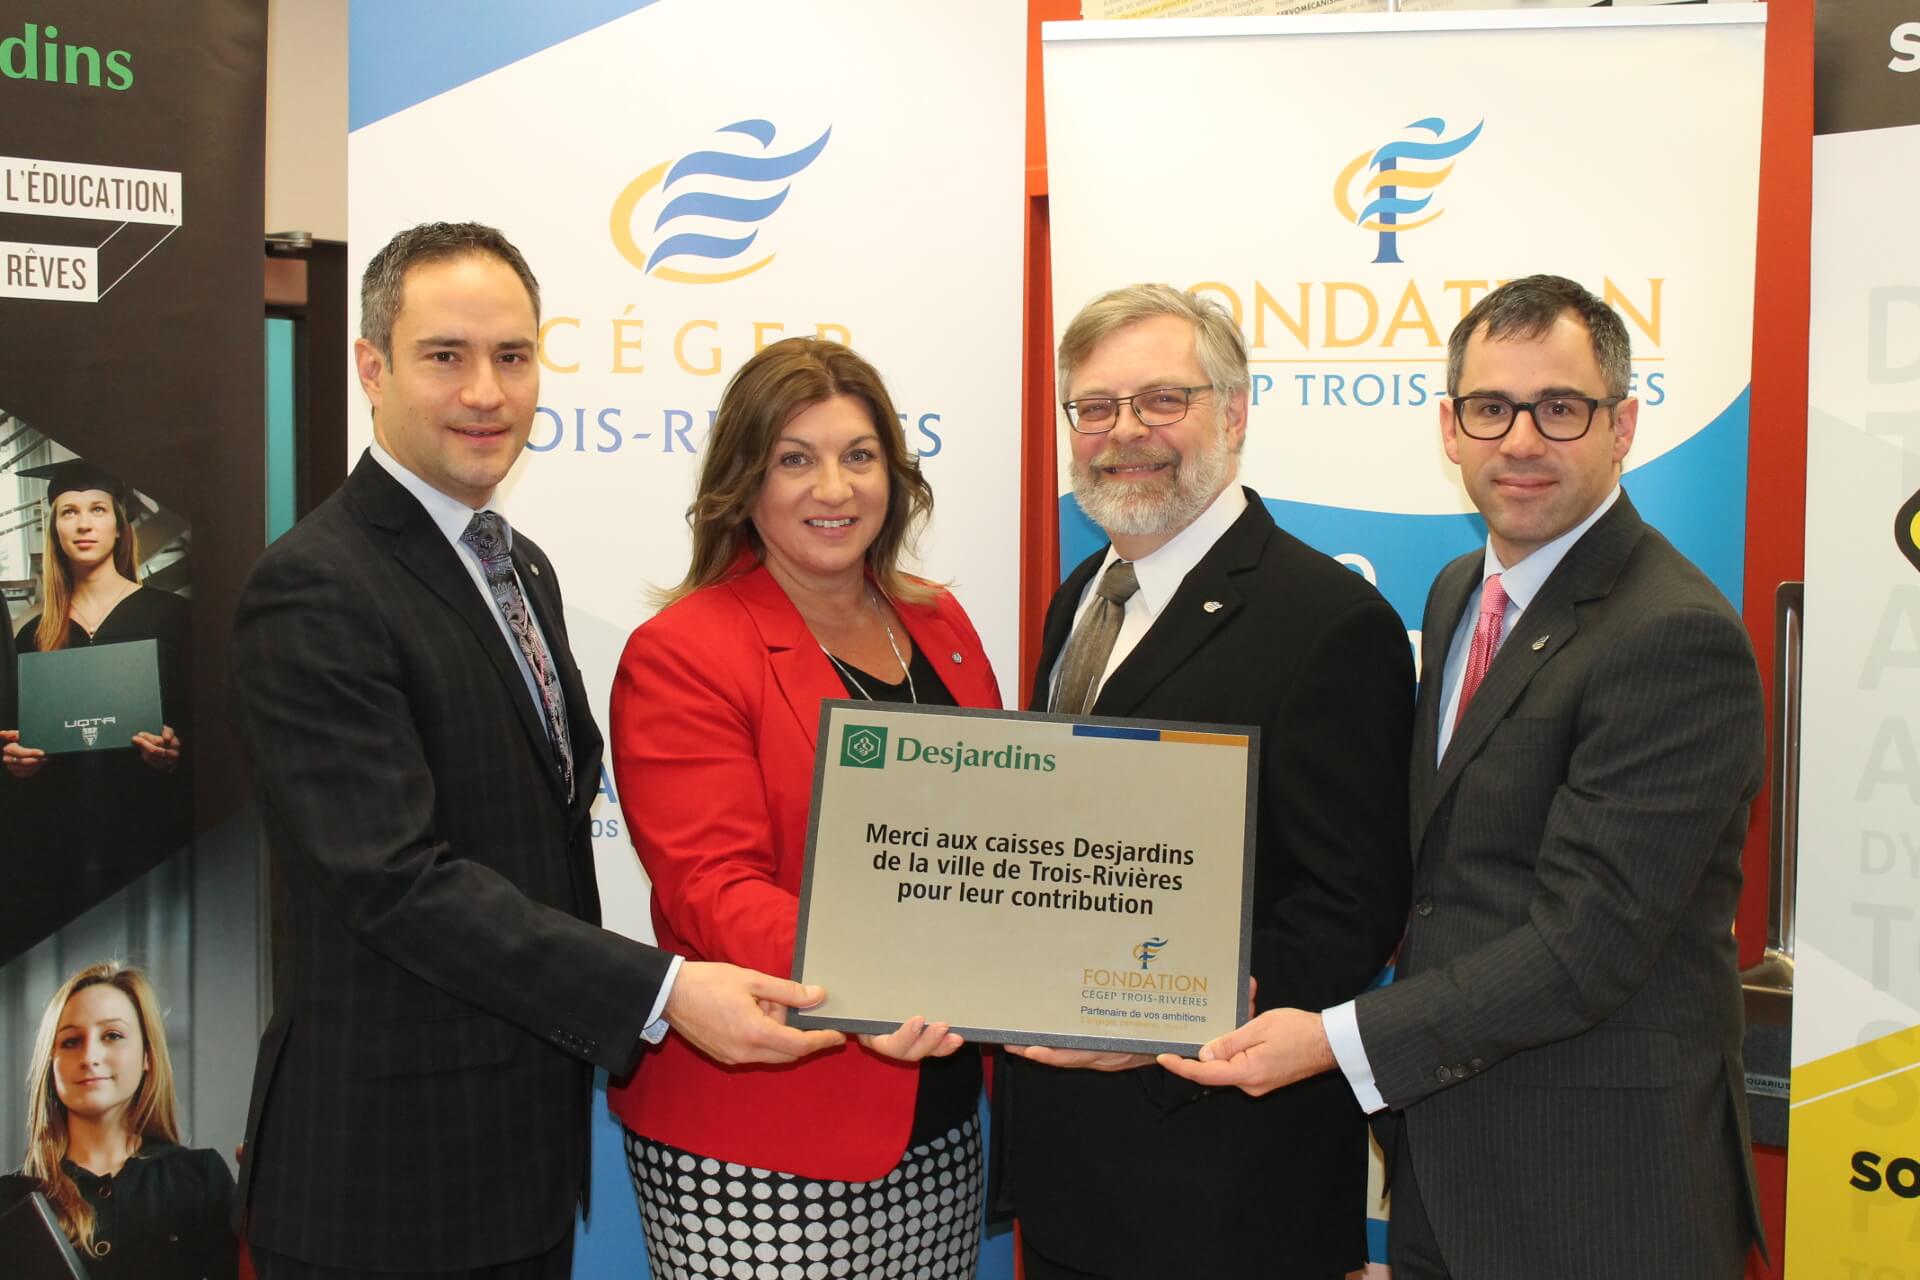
1443,1075
1477,1064
1423,906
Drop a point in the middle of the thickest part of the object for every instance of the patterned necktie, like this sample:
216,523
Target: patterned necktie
486,534
1486,639
1092,641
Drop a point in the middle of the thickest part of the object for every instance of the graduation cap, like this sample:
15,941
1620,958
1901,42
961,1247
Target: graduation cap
78,473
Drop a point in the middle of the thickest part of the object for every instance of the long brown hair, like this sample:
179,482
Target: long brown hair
56,577
149,1115
761,398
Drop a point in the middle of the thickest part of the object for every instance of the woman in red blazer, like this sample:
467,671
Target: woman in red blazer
866,1155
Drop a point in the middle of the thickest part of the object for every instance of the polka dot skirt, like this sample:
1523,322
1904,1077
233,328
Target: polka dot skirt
707,1220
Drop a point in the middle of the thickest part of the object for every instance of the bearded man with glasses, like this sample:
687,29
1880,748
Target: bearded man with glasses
1202,610
1558,1064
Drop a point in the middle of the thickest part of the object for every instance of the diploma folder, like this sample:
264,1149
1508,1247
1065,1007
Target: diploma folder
33,1244
90,699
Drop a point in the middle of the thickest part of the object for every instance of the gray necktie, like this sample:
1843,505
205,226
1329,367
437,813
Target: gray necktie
486,534
1092,641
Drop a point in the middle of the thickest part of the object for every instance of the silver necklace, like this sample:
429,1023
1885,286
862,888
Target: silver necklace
913,694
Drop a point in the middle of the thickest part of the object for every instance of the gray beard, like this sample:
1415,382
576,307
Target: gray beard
1138,510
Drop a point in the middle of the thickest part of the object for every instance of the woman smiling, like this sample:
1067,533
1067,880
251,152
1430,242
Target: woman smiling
103,1145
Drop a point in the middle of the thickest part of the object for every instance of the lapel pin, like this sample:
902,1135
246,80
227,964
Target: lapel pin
1211,606
1540,644
535,569
955,655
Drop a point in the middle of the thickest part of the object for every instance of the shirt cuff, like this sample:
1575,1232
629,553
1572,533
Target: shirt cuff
657,1028
1343,1033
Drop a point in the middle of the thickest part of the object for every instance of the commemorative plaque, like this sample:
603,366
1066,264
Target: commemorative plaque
1029,879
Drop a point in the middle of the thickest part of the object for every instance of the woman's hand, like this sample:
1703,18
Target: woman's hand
916,1039
159,750
21,762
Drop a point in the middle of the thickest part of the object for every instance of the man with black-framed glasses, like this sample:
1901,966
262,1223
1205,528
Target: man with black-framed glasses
1202,610
1558,1064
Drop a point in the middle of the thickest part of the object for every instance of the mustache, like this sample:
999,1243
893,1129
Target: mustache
1134,457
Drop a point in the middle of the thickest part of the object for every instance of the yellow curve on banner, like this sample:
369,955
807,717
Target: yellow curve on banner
1340,184
1393,177
1913,530
1407,178
1852,1208
620,218
620,227
695,277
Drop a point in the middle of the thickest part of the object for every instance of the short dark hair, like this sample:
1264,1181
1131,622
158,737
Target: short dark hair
1527,308
383,284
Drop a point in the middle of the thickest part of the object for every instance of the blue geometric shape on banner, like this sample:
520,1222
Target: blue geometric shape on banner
402,52
1695,494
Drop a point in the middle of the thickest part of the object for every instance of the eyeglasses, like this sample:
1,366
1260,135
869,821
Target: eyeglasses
1159,407
1559,418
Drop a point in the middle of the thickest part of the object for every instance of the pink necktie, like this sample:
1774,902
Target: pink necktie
1486,639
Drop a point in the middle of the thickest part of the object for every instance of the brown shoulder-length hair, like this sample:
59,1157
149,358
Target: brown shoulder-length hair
762,397
56,577
149,1115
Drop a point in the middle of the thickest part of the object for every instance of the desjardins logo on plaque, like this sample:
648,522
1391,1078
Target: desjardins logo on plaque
863,746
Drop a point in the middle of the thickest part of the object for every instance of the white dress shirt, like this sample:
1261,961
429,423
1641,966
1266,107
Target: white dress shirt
1521,583
1160,574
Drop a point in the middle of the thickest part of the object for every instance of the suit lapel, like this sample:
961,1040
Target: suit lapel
947,654
424,551
1588,572
800,668
1452,591
1206,600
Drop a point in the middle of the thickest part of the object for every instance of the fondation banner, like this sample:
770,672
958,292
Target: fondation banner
690,182
1349,186
1352,185
1853,1190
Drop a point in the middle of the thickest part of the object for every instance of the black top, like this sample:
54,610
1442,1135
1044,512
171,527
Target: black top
162,1217
949,1086
92,821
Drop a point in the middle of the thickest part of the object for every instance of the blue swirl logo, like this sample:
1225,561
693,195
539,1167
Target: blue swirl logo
712,204
1388,189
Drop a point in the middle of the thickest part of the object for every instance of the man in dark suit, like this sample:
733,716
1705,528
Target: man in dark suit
1562,1046
426,761
1115,1167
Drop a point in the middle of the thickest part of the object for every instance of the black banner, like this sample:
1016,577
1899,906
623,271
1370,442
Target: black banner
131,180
1866,65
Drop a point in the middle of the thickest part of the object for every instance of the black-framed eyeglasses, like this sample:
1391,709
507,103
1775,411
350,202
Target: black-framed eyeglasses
1156,407
1558,418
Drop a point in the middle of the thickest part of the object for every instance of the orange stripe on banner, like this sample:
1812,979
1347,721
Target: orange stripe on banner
1205,739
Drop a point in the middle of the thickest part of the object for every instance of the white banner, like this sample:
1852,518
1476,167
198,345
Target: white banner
1853,1203
869,155
1352,185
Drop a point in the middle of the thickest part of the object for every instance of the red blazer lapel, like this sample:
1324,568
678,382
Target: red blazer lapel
799,667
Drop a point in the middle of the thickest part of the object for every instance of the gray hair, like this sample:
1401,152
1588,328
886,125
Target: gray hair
1527,308
384,283
1216,338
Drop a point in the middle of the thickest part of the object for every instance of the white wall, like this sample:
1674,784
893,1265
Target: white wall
307,117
